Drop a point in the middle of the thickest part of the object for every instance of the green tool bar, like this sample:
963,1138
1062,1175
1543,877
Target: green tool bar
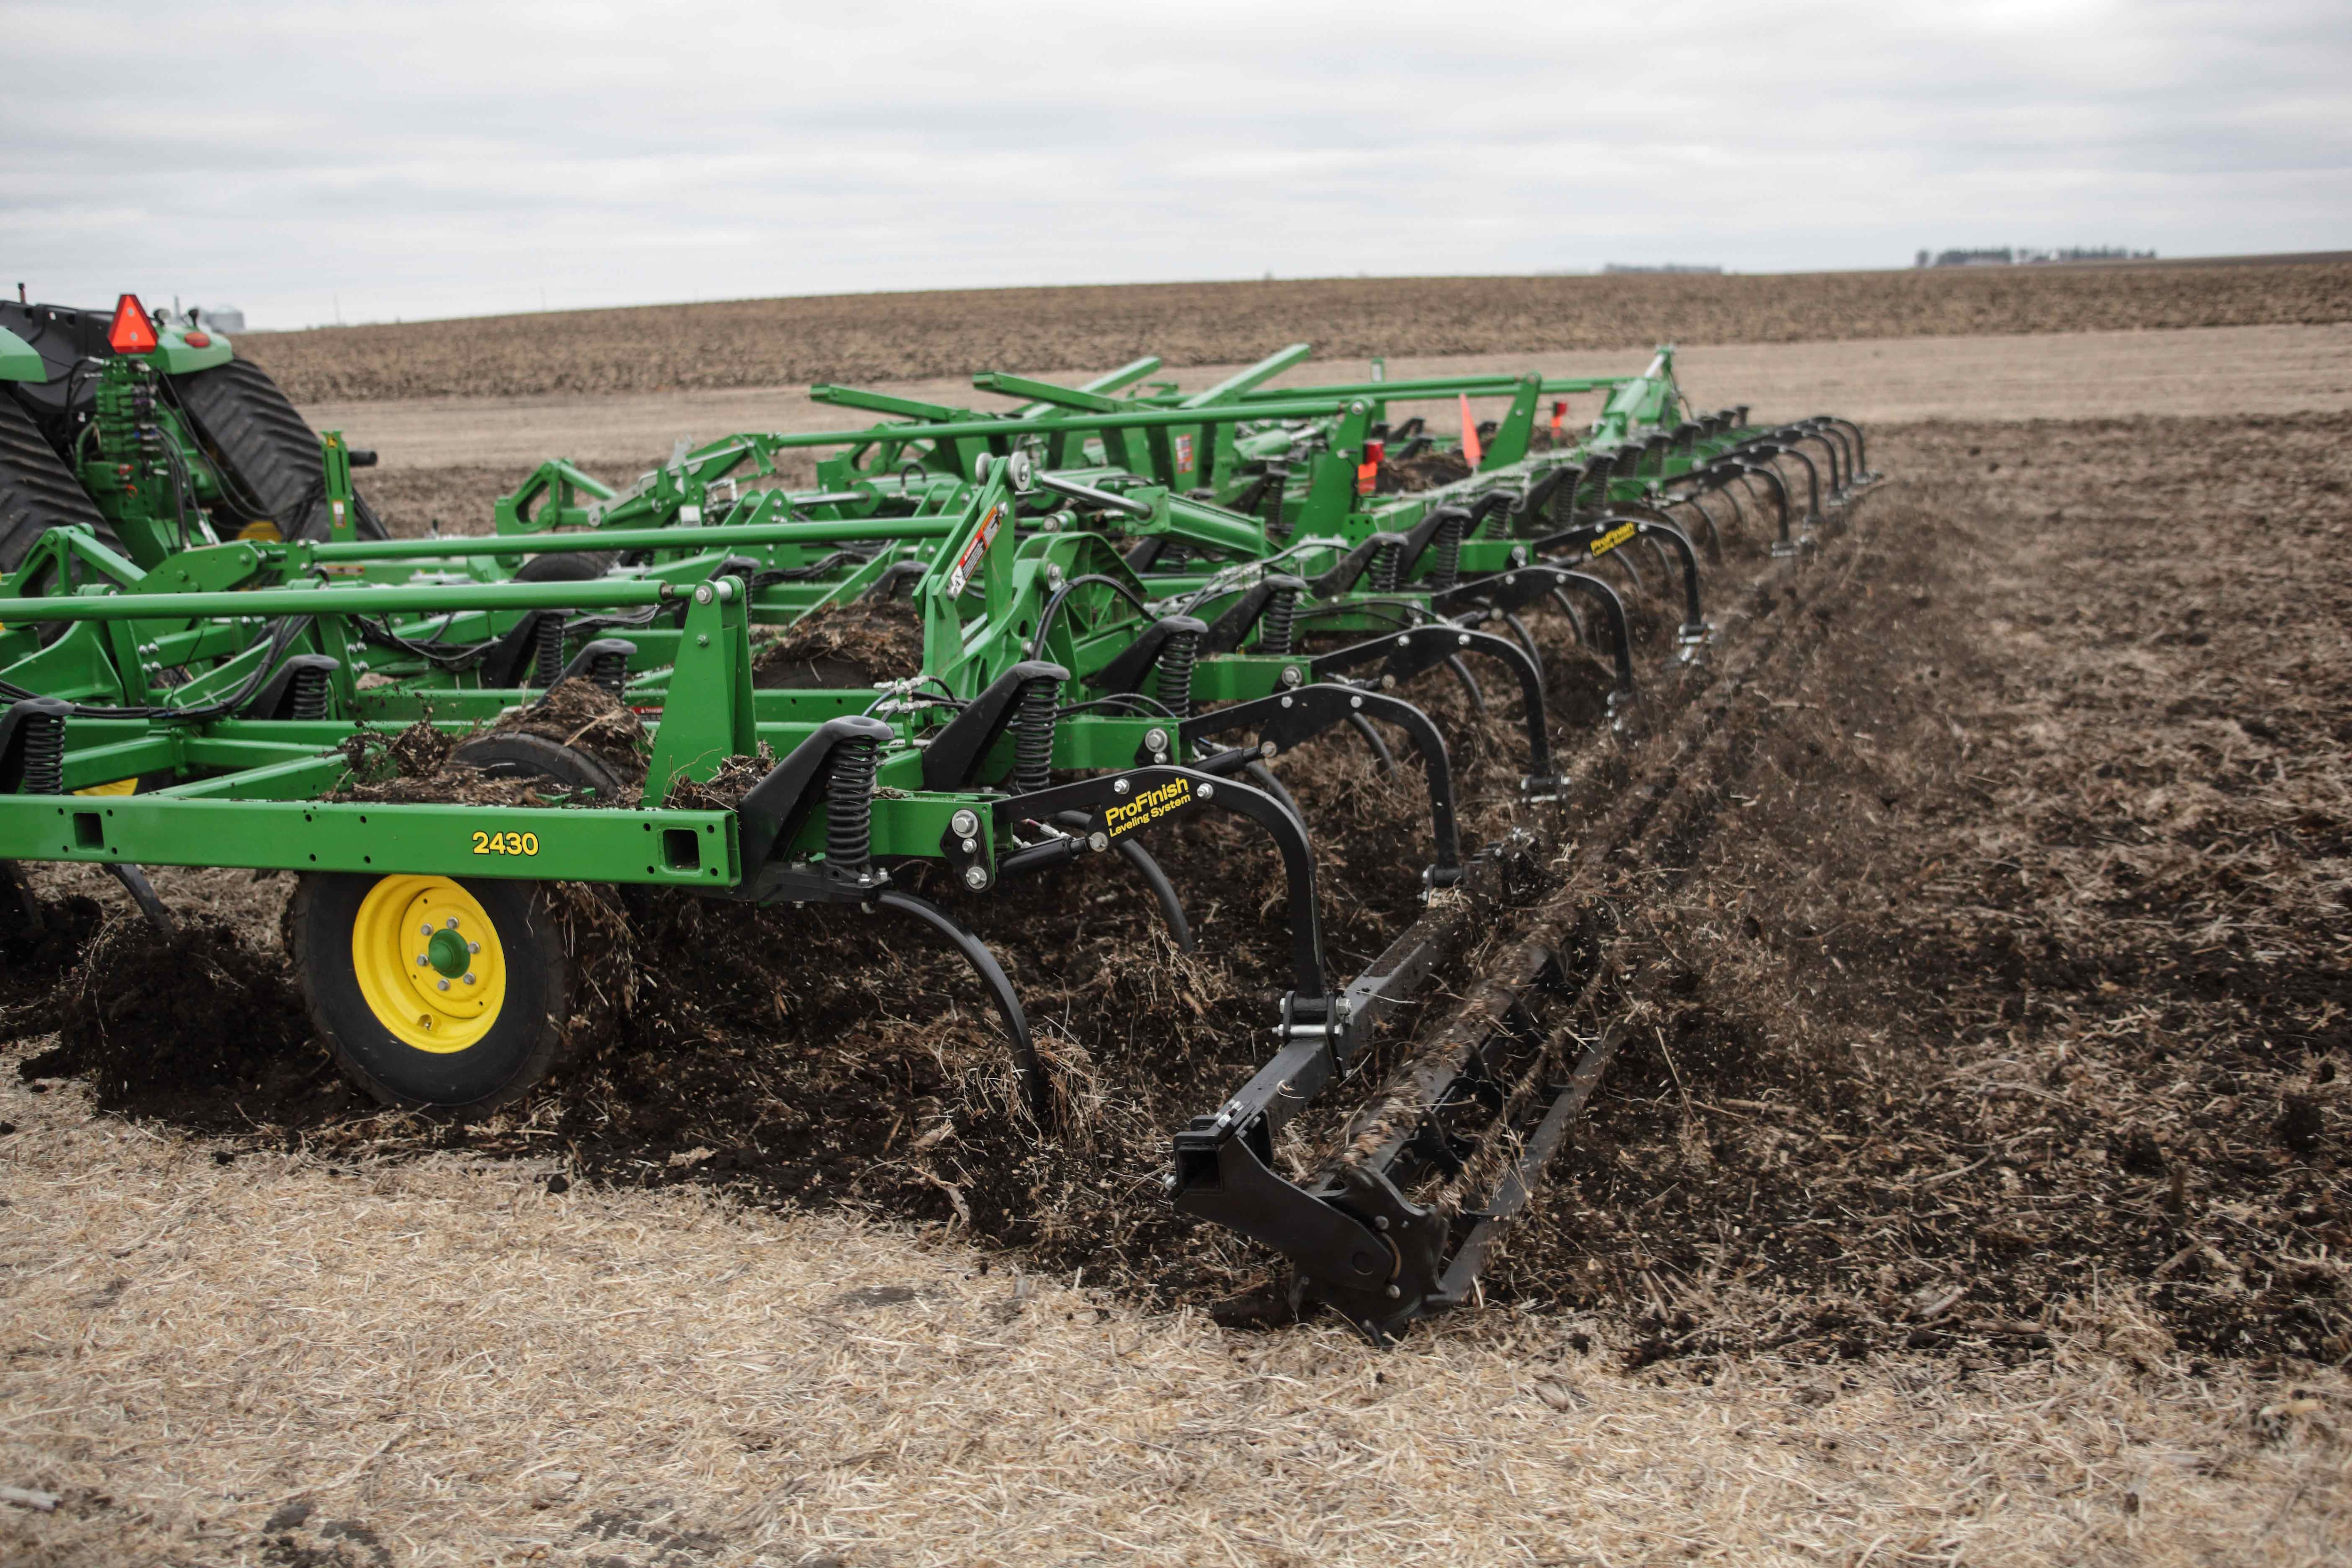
1125,375
603,593
1304,407
692,848
1242,381
714,538
1044,392
1439,386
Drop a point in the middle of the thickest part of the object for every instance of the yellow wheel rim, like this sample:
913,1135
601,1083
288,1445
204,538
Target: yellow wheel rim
430,964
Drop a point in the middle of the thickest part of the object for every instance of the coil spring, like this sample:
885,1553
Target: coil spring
547,658
45,754
1449,550
1033,734
611,671
1275,626
849,805
307,696
1172,556
1563,501
1276,528
1177,656
1388,568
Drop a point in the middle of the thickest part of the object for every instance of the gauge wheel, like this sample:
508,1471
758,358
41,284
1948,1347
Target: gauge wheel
565,566
445,994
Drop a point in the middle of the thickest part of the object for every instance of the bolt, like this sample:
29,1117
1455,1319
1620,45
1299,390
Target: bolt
970,846
1155,739
1466,639
1380,1222
965,824
1355,701
975,876
1266,748
702,639
1290,701
1208,792
425,930
1395,1293
1403,641
1119,786
473,947
443,984
703,595
1098,841
422,960
451,922
1292,675
469,978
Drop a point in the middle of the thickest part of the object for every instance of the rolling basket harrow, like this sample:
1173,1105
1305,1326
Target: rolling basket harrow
989,644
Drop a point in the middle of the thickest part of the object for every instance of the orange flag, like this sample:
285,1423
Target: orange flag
1470,453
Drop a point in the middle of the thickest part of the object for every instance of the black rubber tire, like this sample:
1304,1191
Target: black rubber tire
521,1048
569,566
37,492
520,754
269,452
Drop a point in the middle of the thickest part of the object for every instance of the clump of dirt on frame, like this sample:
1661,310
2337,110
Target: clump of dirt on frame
424,762
864,642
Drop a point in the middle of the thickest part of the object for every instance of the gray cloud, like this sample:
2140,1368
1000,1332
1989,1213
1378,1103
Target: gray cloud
440,159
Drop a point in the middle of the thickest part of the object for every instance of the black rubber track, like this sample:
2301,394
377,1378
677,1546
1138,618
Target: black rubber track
271,453
37,492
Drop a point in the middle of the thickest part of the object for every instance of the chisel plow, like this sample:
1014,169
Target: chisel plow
984,647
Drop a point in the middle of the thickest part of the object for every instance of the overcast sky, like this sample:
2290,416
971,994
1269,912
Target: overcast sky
434,160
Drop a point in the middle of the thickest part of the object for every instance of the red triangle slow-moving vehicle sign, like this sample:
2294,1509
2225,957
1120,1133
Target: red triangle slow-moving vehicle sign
131,333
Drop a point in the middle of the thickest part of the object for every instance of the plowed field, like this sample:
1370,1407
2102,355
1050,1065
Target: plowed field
900,336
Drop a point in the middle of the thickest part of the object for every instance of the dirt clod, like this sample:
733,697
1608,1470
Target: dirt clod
862,643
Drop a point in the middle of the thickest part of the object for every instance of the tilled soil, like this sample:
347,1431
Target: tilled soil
1999,964
2011,968
897,337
